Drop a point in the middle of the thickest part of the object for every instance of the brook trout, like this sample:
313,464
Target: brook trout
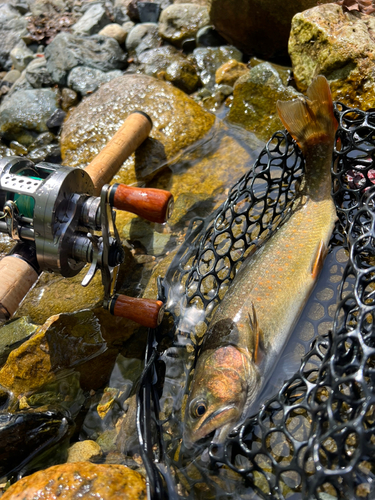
259,311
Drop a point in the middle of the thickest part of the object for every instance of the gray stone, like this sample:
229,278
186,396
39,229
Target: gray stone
86,80
47,8
92,21
180,22
37,73
155,60
20,84
208,60
25,111
120,15
11,77
143,37
12,28
67,51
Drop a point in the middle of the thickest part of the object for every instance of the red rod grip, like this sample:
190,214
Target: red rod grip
154,205
146,312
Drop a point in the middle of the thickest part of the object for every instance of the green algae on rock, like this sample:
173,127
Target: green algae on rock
72,479
178,122
340,45
255,96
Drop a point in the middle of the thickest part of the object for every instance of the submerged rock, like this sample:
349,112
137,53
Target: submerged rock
178,122
26,111
84,451
254,100
259,27
70,480
180,22
67,51
340,45
230,72
209,60
13,335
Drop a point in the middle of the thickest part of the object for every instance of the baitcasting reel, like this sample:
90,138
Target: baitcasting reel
53,213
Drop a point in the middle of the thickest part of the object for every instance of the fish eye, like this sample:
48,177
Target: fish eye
199,409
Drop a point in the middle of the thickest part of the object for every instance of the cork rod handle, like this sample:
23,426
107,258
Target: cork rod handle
17,277
146,312
135,129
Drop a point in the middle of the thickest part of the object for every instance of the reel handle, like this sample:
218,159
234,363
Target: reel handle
154,205
146,312
17,277
135,129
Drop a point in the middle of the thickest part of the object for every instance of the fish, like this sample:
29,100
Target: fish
253,322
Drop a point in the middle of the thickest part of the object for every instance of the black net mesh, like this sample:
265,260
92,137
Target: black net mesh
315,436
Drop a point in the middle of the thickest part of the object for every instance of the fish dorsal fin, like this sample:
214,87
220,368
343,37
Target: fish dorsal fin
310,120
256,339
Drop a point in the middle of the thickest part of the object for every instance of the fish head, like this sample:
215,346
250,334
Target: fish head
218,394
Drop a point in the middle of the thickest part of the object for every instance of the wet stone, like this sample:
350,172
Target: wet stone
69,98
209,37
102,481
177,123
141,231
12,28
230,72
143,37
180,22
84,451
56,119
209,60
255,95
86,80
67,51
24,111
183,75
18,148
13,335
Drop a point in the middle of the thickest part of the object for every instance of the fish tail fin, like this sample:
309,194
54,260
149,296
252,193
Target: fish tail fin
310,120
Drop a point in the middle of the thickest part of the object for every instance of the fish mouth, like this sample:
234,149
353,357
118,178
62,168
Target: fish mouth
209,426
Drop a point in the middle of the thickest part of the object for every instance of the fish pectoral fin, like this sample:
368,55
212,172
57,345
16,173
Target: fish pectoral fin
320,255
257,347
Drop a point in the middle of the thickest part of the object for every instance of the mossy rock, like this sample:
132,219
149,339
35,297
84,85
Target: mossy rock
329,41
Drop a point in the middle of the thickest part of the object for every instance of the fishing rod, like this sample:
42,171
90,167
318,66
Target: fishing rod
63,218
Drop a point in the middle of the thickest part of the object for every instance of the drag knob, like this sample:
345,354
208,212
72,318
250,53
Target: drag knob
146,312
154,205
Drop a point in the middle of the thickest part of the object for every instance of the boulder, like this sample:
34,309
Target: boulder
180,22
340,45
259,27
254,101
178,122
67,51
26,111
70,480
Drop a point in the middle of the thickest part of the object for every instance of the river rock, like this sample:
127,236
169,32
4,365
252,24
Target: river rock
177,123
86,80
255,96
47,8
37,73
259,27
92,21
69,481
62,342
84,451
26,111
327,40
12,28
209,60
230,72
180,22
21,56
67,51
13,335
142,37
69,98
115,31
